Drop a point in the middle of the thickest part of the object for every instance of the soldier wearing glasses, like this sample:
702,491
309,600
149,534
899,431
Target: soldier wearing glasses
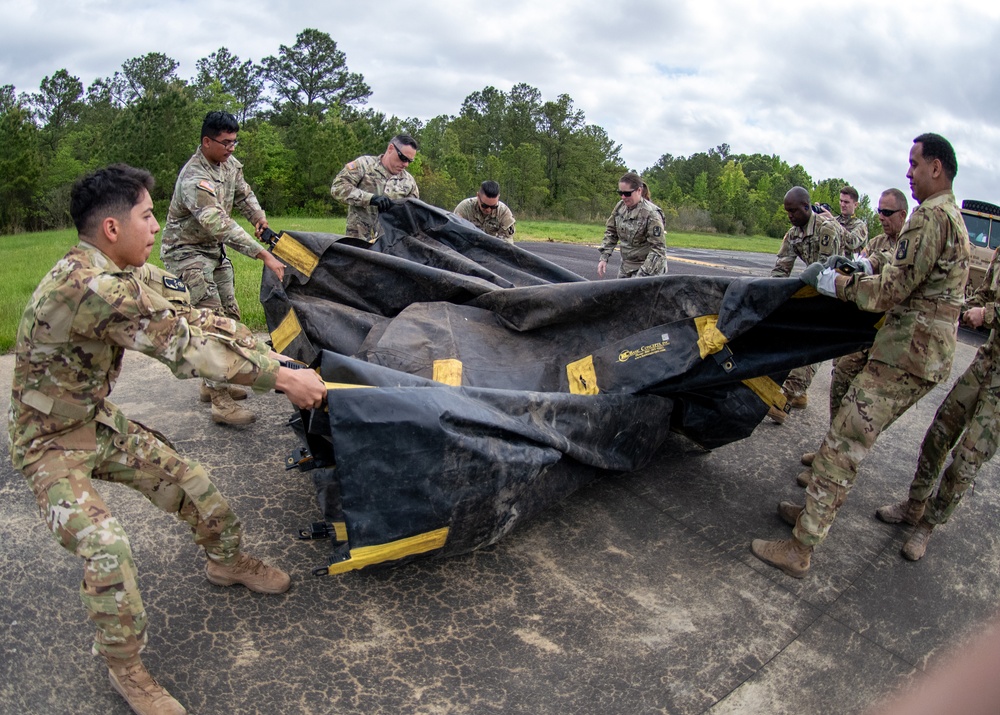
200,225
636,224
369,183
488,213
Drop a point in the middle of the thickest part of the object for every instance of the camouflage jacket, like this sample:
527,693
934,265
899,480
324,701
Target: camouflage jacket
639,230
500,222
199,220
987,296
358,182
854,235
82,316
815,241
921,290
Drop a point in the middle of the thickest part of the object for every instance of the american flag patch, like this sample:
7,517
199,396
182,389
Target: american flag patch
207,186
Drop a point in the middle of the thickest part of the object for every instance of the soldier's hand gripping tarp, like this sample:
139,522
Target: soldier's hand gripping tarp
474,384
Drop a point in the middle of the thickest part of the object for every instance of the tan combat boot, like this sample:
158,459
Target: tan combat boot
805,477
141,691
227,412
789,512
249,571
807,458
776,415
799,402
909,511
789,555
237,393
916,545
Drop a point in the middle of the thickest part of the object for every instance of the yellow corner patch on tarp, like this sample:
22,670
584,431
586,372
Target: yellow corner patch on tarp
767,390
296,255
448,371
582,376
710,339
286,332
393,551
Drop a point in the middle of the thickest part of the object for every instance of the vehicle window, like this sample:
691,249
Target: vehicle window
995,233
979,230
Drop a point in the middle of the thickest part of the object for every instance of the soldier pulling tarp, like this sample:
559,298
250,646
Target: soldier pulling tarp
474,384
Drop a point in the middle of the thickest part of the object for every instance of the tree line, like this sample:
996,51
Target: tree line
303,115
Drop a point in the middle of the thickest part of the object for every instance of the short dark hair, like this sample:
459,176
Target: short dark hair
935,146
215,123
111,191
406,140
632,179
490,189
852,192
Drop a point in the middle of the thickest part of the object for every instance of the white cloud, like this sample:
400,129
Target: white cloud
841,88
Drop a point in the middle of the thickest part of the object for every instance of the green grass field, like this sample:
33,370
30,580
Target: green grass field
25,258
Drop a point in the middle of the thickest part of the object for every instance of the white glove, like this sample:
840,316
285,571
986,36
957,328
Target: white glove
827,283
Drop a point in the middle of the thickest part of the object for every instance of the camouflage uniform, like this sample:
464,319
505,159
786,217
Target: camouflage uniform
358,182
967,421
499,223
640,231
921,290
847,367
200,224
64,432
854,235
816,241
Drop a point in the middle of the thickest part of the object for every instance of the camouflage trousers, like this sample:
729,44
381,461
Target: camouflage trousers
211,283
845,369
877,397
966,424
82,523
798,381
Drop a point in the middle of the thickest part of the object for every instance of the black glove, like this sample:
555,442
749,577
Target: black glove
810,275
845,265
382,203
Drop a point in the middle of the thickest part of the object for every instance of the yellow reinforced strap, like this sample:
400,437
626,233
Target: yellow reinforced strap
710,339
339,530
410,546
767,390
448,371
295,254
286,332
582,376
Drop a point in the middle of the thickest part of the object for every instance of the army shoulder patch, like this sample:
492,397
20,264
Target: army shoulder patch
510,231
656,231
206,185
173,283
351,166
902,248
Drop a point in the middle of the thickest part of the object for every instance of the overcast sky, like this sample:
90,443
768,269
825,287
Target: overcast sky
840,88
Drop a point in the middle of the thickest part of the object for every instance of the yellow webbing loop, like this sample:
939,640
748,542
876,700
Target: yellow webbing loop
410,546
710,339
582,377
448,371
296,255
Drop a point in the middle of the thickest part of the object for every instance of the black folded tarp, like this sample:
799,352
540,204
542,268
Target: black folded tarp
474,384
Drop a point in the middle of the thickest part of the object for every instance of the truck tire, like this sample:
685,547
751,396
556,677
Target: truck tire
981,207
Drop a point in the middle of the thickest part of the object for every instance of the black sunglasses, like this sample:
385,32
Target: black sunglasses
402,157
487,207
627,193
888,212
